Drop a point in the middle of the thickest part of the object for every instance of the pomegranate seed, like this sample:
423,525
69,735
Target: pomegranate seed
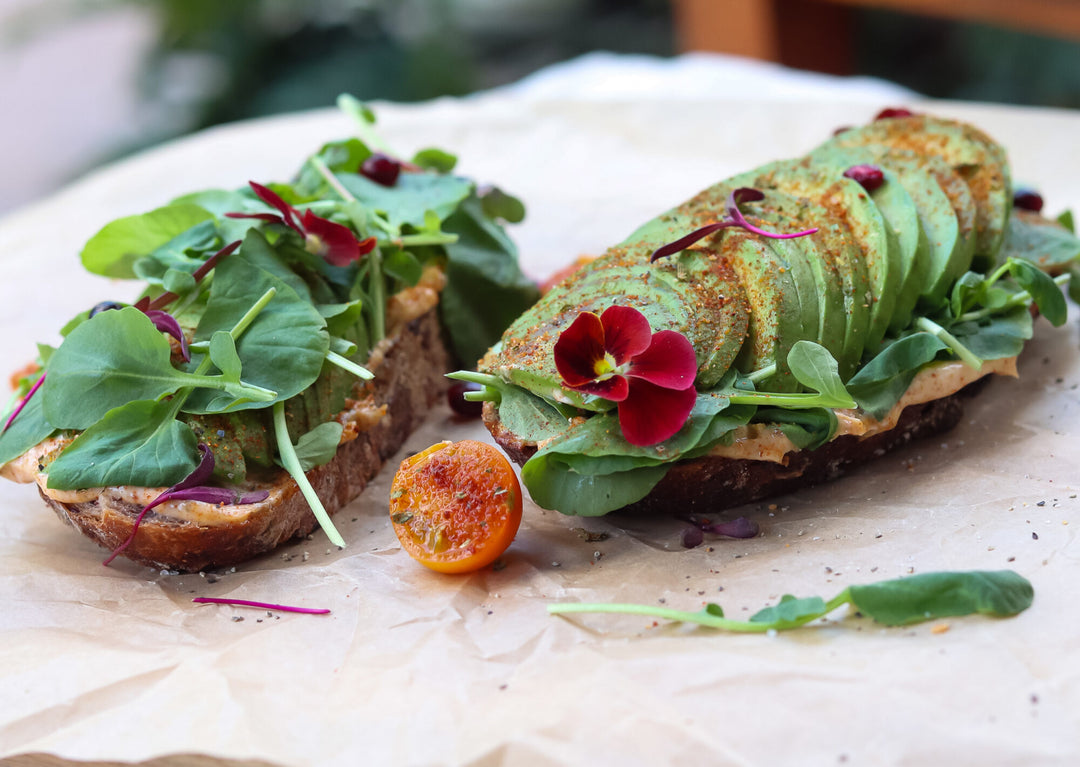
870,176
1028,199
381,169
455,397
890,112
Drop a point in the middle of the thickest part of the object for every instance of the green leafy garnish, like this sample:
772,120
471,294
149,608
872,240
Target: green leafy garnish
898,602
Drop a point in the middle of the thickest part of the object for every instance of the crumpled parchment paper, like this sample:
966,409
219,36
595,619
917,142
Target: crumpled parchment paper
412,667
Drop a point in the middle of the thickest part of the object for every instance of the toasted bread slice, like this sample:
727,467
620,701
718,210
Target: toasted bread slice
188,535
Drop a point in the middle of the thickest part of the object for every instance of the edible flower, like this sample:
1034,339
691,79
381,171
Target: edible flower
734,218
617,357
323,237
191,488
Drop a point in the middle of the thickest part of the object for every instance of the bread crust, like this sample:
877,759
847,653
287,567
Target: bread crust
408,380
709,484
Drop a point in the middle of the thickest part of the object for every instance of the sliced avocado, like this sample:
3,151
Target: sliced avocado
845,200
839,271
979,160
897,205
695,293
775,317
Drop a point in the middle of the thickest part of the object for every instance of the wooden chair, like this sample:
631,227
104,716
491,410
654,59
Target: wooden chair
816,34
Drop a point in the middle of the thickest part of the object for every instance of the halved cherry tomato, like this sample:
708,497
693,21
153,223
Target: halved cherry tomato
456,506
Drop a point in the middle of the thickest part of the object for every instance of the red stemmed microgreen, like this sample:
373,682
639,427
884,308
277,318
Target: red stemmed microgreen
261,605
323,237
870,177
167,298
191,488
617,357
23,402
734,217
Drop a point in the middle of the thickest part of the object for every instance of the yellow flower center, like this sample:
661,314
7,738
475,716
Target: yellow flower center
604,367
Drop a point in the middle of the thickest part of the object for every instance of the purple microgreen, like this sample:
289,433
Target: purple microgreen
167,298
167,324
869,177
693,537
104,306
1028,199
261,605
740,527
734,217
190,488
22,402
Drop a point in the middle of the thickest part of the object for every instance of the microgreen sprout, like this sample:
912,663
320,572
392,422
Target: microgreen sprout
261,605
191,488
734,217
292,465
22,402
898,602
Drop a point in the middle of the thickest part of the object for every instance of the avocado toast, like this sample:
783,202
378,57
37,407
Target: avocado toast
834,306
288,338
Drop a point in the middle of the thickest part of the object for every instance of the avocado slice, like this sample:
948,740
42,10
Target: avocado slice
775,320
846,201
946,213
696,293
980,162
897,204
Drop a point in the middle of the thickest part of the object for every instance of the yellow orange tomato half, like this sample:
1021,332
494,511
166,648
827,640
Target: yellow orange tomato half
456,506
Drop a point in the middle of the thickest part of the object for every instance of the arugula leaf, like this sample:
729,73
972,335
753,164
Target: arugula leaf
282,350
27,430
815,368
553,485
499,204
435,159
1042,288
1043,244
790,612
113,251
938,595
318,446
893,603
997,337
808,429
483,262
406,202
881,382
139,443
114,358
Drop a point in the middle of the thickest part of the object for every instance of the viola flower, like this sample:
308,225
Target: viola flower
323,237
191,488
616,356
734,217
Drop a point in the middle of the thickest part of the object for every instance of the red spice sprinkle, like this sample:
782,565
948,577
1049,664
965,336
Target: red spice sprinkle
262,605
890,112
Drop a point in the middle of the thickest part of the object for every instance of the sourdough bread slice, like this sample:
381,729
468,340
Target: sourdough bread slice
189,536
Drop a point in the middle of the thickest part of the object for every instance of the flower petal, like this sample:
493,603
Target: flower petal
579,348
669,361
651,413
626,332
340,246
273,199
615,388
